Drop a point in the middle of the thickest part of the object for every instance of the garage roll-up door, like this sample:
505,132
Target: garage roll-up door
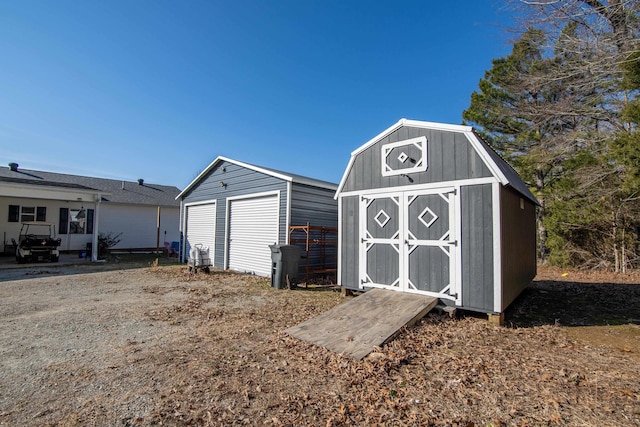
201,227
253,226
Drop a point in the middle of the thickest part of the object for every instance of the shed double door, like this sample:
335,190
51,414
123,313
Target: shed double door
408,242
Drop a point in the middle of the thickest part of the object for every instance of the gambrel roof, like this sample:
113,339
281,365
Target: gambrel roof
499,168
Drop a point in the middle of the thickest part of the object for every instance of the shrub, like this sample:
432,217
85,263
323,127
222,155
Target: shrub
107,241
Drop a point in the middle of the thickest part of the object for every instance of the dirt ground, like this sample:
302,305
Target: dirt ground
120,344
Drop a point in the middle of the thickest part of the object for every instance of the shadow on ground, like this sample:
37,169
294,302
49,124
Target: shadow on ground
562,303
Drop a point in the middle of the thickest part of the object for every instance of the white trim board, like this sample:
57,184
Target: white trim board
430,186
497,248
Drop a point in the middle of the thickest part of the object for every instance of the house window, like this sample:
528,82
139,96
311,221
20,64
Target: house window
76,221
27,213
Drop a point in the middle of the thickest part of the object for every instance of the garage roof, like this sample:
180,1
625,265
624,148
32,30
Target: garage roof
271,172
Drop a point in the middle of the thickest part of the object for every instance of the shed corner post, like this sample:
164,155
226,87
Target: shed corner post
339,244
497,247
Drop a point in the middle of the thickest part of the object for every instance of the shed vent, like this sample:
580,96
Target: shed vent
140,181
14,167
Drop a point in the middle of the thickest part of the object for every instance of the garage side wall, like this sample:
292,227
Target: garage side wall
230,180
314,205
477,247
519,263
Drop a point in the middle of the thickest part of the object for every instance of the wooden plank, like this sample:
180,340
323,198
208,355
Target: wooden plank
369,320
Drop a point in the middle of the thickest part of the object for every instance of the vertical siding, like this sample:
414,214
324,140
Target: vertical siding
349,230
313,205
450,157
240,181
518,244
477,247
317,207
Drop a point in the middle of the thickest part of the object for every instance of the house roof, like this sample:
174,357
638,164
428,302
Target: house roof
299,179
112,190
496,164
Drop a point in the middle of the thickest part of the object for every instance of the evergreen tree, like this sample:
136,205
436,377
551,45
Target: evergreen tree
558,109
511,111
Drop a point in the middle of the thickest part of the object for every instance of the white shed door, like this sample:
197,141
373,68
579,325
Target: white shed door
201,227
408,241
253,226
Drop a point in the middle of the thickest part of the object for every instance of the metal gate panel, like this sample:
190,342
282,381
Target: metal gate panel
200,226
253,226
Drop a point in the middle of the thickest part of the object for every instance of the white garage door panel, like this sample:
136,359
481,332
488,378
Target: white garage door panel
253,226
201,227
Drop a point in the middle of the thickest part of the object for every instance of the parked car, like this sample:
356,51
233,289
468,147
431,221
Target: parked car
37,242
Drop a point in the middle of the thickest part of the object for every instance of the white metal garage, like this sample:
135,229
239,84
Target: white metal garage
200,225
253,226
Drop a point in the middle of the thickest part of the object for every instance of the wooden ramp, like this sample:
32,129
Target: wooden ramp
371,319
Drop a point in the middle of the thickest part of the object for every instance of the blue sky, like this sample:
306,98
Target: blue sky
158,89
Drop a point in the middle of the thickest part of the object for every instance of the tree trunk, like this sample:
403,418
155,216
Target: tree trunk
616,254
540,214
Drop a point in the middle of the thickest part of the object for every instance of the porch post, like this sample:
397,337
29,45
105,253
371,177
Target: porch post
96,231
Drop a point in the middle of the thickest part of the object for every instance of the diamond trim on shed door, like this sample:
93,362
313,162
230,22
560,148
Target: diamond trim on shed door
253,226
408,242
201,227
430,243
380,242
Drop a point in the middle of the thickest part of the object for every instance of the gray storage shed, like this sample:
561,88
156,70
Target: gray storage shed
430,208
237,210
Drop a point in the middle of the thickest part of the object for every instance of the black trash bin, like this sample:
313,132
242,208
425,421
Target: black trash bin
284,265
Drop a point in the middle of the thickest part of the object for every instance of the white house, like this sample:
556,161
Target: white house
83,207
